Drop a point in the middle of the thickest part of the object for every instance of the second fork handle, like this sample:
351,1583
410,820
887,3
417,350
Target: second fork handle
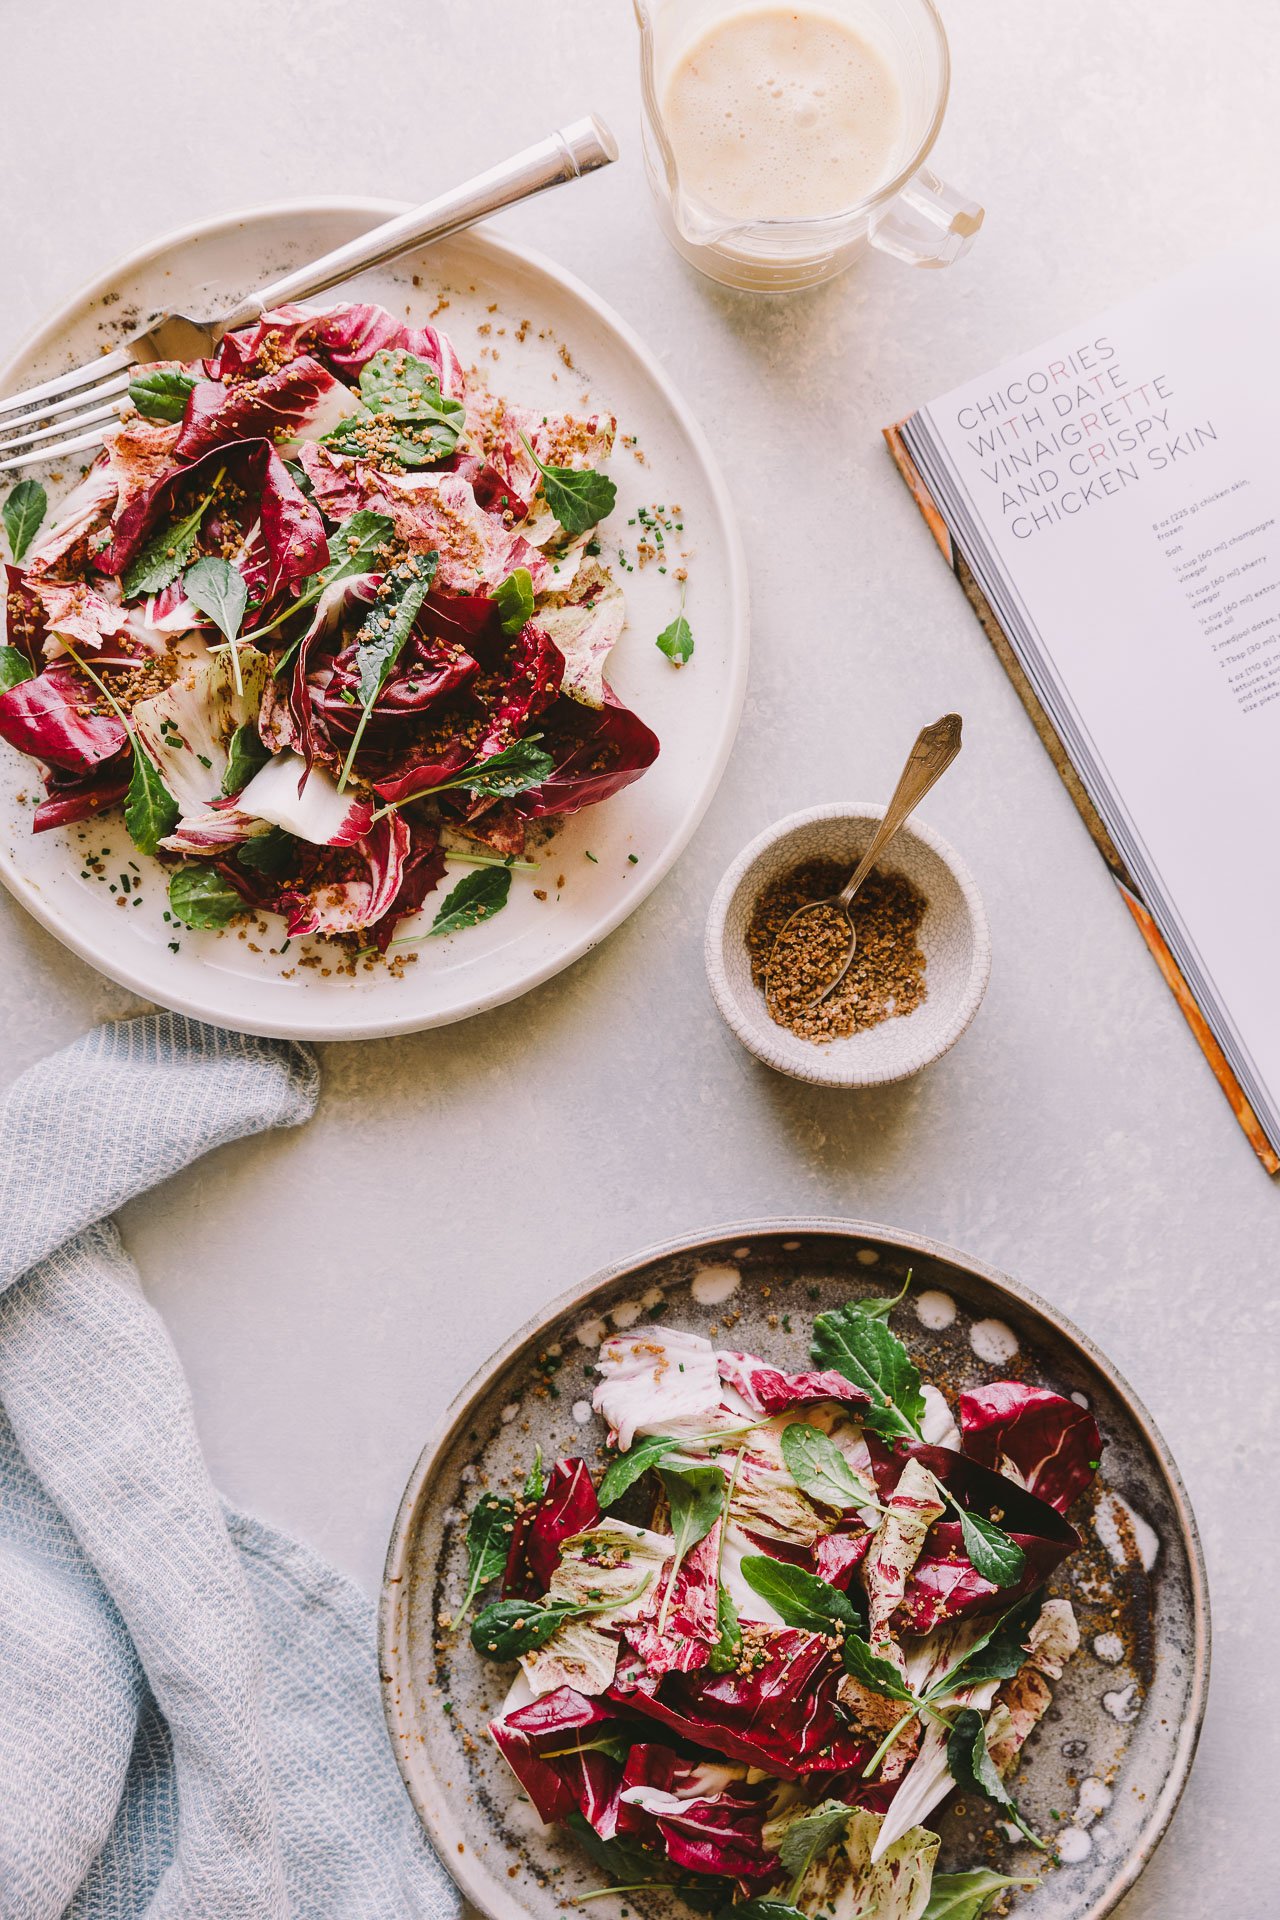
935,748
576,149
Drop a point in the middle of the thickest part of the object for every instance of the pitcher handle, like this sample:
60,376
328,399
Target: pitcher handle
928,224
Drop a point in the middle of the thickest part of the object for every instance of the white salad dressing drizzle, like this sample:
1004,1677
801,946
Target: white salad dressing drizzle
714,1285
1074,1845
1093,1800
1122,1531
1109,1647
938,1426
993,1342
935,1310
1122,1705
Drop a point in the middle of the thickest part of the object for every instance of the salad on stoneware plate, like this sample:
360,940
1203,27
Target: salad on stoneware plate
804,1568
323,618
825,1614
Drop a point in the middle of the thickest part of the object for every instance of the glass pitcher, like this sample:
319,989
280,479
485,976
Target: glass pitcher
914,215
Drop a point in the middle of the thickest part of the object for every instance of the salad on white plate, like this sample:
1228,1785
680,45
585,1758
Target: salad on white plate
324,615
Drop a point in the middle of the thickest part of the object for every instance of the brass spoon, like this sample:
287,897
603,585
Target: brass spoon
935,748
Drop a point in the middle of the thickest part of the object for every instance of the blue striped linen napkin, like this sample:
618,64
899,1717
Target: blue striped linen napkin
189,1715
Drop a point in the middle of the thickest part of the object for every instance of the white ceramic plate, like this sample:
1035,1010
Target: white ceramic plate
487,282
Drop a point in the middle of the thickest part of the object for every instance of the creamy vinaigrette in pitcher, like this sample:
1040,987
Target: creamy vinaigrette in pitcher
782,113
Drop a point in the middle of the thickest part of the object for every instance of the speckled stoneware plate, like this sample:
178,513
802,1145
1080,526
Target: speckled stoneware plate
1104,1770
574,354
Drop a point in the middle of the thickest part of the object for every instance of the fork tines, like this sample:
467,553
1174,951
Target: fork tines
68,414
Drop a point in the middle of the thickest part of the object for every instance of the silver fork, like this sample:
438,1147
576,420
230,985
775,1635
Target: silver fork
80,405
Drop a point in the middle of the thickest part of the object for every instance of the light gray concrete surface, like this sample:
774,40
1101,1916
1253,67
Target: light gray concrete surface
329,1292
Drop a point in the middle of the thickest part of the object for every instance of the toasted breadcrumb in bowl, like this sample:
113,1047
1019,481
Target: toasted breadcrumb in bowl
921,966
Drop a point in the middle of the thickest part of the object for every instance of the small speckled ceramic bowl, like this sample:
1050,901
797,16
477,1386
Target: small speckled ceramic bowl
953,936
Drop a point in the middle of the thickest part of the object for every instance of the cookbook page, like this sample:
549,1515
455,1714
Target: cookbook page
1127,477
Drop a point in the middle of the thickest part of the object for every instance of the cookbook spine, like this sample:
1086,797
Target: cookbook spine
1191,1010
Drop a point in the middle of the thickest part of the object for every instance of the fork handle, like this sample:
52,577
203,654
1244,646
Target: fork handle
566,155
935,748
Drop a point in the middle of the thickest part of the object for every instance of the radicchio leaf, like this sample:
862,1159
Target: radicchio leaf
185,727
341,609
656,1380
836,1555
346,906
781,1716
420,875
568,1506
79,612
862,1875
767,1390
292,528
603,1579
276,337
1048,1444
24,616
534,670
491,488
586,622
943,1584
709,1821
51,718
422,777
285,795
550,1748
348,336
596,755
509,432
78,521
139,453
425,674
299,397
77,797
439,513
910,1510
681,1624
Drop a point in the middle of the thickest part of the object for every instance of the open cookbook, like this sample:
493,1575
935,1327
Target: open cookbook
1109,503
